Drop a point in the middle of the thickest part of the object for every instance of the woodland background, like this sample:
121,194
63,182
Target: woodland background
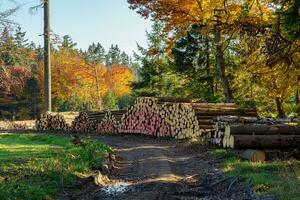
247,52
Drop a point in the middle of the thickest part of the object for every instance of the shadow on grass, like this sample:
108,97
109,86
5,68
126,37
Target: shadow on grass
273,177
37,185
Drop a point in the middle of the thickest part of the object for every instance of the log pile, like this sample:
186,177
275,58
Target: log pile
207,112
144,118
160,117
109,124
251,132
52,122
83,124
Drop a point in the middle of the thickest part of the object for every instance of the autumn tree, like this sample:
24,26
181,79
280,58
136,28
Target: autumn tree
219,18
118,79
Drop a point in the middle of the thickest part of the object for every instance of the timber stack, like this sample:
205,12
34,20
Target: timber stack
52,122
110,122
83,124
251,132
206,113
159,116
144,118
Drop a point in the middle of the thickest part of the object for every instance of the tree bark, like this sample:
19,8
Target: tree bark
100,104
280,109
265,141
209,81
221,66
261,129
47,63
297,93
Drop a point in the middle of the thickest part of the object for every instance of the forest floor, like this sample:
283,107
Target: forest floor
151,168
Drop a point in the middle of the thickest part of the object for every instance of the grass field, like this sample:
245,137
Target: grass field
40,166
278,177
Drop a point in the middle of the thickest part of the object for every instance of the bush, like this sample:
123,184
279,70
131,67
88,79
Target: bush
110,101
126,101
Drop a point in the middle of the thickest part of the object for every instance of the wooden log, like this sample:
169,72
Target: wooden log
173,99
237,119
253,155
264,141
261,129
240,113
256,120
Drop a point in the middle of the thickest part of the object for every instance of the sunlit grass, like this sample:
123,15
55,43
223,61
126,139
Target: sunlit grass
277,177
39,166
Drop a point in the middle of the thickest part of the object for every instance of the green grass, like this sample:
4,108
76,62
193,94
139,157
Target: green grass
40,166
277,177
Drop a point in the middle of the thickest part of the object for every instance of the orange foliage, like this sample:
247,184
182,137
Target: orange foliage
181,14
118,79
71,75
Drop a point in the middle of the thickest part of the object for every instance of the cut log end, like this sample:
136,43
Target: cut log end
253,155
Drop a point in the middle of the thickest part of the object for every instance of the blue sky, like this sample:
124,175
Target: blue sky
86,21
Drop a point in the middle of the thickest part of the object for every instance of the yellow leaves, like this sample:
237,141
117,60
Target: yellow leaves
119,79
180,14
71,75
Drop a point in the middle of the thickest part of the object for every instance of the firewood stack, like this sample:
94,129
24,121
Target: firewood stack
251,132
144,118
109,124
160,117
52,122
83,124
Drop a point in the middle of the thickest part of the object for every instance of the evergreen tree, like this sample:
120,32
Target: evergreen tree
125,59
156,75
8,48
95,54
192,58
19,38
113,55
67,43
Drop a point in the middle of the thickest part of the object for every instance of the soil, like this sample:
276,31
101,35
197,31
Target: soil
153,169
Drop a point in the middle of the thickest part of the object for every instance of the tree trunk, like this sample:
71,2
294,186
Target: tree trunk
261,129
100,103
47,64
210,80
280,109
264,141
297,93
221,67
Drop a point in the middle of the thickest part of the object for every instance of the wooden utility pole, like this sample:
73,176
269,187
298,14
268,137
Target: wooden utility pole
47,63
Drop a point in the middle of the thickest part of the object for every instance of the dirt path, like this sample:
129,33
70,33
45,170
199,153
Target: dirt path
164,169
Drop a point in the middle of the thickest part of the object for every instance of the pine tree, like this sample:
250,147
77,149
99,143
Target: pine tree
156,75
113,56
125,59
95,54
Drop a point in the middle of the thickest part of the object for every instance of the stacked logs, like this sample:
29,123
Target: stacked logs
144,118
52,122
109,124
207,112
91,122
83,124
251,132
160,117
